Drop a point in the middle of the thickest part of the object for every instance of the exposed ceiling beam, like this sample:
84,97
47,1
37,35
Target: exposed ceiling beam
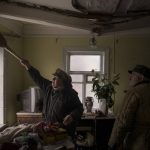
60,4
138,24
37,16
13,27
70,20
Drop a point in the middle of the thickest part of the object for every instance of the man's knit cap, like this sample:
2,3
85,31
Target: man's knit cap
144,70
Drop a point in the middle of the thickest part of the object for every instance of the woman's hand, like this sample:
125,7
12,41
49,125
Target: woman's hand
25,63
67,120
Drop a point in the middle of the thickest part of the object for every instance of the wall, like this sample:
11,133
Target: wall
130,50
1,85
46,54
13,80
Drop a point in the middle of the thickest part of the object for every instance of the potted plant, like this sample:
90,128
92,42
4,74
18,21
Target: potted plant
104,87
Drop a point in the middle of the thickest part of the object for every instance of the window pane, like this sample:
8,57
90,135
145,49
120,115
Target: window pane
89,78
85,62
78,88
90,93
77,78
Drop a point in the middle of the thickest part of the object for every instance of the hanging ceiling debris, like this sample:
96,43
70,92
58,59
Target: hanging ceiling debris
99,16
106,13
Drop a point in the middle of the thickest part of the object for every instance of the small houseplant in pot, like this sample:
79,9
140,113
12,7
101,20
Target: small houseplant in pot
104,88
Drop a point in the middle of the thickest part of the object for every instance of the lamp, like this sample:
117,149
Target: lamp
92,41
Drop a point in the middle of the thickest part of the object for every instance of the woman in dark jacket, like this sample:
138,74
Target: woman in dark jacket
61,102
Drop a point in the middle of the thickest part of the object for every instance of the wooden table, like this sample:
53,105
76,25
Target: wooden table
101,127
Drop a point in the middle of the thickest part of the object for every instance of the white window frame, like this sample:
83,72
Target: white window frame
86,51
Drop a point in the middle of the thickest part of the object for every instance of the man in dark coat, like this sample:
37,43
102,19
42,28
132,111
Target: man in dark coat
131,130
61,102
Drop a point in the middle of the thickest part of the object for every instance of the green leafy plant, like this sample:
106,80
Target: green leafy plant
104,88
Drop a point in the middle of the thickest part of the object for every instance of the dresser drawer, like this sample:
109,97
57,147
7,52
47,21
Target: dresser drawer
23,117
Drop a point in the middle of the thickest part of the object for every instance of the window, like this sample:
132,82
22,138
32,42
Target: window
79,64
1,86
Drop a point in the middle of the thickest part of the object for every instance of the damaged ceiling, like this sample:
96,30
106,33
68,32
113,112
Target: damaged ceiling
80,16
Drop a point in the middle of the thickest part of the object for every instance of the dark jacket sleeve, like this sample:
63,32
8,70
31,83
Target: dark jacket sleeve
38,79
76,106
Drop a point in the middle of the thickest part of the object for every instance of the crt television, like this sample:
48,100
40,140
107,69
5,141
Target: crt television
31,99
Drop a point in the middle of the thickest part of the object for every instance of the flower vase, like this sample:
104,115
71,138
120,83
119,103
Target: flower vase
103,106
89,104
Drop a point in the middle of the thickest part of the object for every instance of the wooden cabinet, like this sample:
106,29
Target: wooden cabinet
100,127
23,117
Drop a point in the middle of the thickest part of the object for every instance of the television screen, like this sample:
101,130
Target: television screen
31,99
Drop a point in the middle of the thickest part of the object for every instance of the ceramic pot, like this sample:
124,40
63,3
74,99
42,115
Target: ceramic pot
89,104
